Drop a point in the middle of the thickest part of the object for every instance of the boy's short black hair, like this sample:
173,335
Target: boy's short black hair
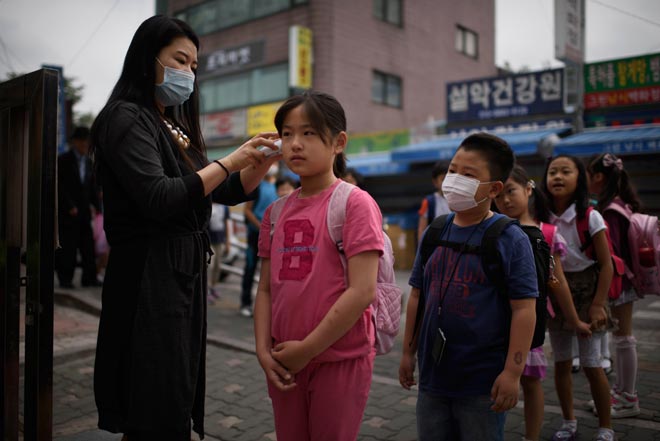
495,151
439,168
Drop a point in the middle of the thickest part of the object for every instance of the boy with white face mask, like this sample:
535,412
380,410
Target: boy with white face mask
471,340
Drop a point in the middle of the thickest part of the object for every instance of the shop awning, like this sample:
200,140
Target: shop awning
532,142
618,140
376,164
442,148
523,143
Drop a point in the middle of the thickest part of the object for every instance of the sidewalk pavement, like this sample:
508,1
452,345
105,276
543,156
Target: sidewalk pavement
237,403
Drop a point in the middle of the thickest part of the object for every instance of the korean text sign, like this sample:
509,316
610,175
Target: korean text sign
622,82
506,97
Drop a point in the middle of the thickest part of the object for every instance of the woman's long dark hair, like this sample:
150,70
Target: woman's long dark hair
538,203
137,81
617,182
326,116
581,195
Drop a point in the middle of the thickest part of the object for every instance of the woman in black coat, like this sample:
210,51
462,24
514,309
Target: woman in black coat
150,158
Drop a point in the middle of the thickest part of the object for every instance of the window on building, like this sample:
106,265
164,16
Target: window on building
244,89
233,12
213,15
467,42
270,83
386,89
389,11
267,7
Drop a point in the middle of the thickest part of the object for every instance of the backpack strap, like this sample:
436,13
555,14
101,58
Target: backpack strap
430,211
433,236
623,211
431,240
549,231
336,217
491,260
488,249
582,226
275,211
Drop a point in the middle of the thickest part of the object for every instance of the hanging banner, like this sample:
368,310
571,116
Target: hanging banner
569,31
300,57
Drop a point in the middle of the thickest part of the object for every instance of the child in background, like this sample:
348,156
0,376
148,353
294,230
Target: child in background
313,328
473,341
353,177
565,186
220,240
254,211
523,201
609,181
434,204
285,185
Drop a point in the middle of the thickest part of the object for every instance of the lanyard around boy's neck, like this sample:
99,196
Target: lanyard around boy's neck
460,253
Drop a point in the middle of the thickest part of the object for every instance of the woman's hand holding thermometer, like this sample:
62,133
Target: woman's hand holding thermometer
269,151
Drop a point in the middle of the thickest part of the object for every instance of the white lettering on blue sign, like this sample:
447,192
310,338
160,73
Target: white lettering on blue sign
526,89
479,93
458,98
503,92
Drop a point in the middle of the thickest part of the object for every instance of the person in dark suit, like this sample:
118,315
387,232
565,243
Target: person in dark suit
77,197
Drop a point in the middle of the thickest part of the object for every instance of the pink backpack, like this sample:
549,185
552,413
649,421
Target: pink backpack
386,308
644,243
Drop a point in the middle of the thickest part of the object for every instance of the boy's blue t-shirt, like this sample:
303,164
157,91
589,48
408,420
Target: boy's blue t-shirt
475,317
267,195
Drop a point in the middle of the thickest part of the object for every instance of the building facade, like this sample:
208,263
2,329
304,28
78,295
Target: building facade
386,61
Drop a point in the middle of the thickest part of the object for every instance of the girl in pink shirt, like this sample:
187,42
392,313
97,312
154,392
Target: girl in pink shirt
313,328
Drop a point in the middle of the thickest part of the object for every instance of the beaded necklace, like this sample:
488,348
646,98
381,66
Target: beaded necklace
178,134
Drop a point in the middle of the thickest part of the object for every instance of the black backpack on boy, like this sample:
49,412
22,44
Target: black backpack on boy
492,263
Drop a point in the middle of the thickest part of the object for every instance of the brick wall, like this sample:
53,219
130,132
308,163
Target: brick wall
349,43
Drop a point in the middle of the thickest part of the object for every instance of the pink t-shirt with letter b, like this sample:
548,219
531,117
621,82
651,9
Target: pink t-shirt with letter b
306,273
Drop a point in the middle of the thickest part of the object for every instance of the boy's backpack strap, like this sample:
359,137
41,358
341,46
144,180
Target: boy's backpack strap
490,255
488,250
430,208
275,212
433,236
431,240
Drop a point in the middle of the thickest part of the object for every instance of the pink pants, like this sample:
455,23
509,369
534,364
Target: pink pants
327,403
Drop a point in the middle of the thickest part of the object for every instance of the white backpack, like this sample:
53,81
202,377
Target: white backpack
386,308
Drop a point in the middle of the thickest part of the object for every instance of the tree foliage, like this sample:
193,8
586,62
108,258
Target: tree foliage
72,92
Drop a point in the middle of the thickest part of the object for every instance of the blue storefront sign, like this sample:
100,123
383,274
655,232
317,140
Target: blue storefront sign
620,141
506,127
510,96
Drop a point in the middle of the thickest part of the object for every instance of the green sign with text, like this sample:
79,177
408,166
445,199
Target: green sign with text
377,142
625,73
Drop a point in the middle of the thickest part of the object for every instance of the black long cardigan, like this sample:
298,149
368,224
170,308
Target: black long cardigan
150,357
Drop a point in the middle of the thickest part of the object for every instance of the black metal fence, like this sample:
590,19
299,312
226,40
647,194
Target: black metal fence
28,153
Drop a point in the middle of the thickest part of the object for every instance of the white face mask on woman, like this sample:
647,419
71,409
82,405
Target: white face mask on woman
176,88
460,190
